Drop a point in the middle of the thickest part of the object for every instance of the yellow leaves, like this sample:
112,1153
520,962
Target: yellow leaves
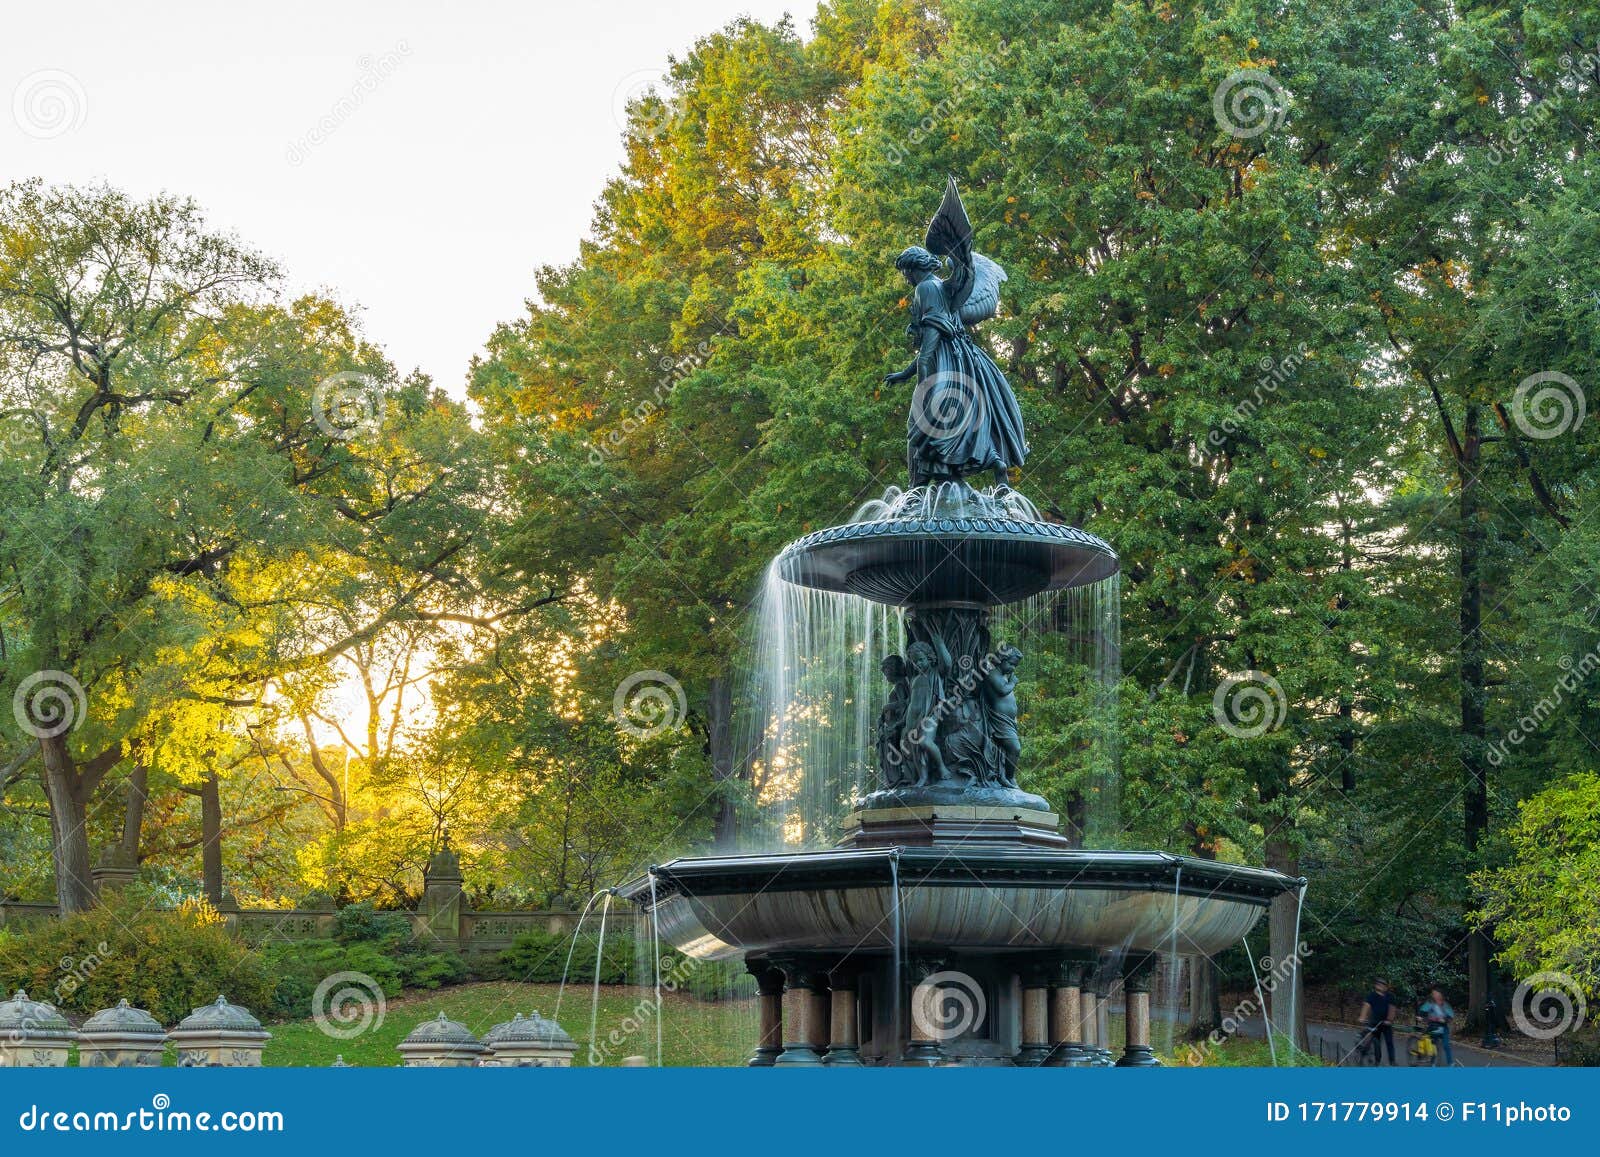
1011,200
1166,369
1317,452
1145,195
1252,43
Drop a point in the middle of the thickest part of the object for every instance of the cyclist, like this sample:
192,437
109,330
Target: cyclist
1438,1014
1377,1017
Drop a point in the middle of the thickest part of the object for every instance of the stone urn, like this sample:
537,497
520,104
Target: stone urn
220,1034
33,1035
530,1042
123,1037
440,1043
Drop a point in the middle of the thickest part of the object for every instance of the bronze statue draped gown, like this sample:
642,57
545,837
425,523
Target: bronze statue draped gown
964,417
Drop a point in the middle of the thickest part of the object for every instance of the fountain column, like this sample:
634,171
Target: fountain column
844,1039
924,1047
1089,1021
1035,1050
769,997
805,1024
1066,1016
1104,974
1136,977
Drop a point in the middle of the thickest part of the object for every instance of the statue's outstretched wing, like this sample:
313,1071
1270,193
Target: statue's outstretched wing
983,299
950,235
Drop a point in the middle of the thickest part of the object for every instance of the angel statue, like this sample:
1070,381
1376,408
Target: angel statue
964,418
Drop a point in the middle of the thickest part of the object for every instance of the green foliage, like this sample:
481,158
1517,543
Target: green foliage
169,962
540,957
1542,901
379,945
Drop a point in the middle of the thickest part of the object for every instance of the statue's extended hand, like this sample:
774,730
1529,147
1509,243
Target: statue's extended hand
897,377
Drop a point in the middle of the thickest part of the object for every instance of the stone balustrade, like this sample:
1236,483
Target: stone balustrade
442,915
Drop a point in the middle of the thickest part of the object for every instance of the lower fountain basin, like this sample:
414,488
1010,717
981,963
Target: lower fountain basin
971,560
951,898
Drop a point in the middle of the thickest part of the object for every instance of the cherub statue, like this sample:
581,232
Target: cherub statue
893,762
1000,709
964,418
921,727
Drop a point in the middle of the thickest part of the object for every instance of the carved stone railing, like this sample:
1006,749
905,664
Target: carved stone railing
442,916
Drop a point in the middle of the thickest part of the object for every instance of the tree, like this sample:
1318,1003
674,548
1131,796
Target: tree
192,463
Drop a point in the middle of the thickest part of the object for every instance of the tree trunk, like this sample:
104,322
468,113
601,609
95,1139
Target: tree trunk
1473,694
211,839
725,764
133,818
69,838
1287,991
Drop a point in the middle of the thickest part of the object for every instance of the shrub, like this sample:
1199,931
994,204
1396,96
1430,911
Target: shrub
377,944
167,961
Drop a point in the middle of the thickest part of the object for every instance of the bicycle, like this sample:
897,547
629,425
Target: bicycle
1366,1050
1425,1050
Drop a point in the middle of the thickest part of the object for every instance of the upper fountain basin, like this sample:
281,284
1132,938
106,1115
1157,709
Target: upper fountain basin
718,907
984,561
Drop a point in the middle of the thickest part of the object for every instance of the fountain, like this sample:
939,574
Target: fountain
953,922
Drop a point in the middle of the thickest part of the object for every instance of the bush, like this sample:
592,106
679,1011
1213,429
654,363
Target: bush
167,961
375,944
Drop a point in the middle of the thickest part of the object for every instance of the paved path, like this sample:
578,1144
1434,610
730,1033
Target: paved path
1336,1043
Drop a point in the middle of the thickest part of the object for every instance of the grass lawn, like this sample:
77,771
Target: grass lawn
694,1032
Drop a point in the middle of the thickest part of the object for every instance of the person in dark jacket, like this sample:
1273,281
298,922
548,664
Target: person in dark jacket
1377,1016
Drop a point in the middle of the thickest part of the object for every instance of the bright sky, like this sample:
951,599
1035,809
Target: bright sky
417,159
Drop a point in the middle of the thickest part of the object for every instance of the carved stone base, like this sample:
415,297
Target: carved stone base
967,825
